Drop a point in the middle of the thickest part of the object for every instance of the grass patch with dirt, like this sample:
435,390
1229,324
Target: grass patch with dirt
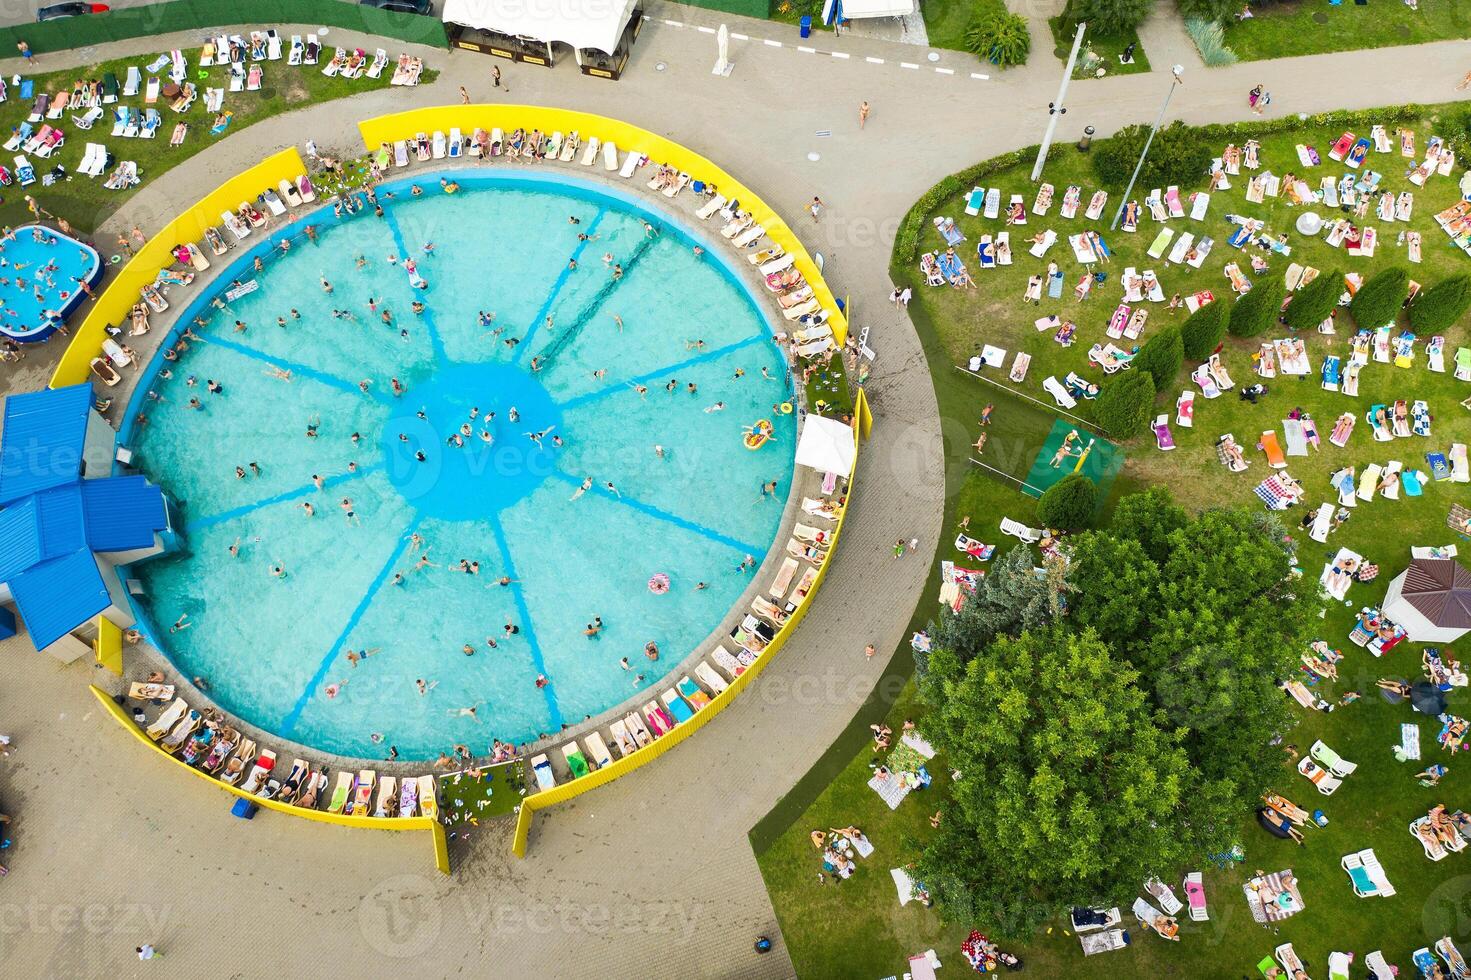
1294,27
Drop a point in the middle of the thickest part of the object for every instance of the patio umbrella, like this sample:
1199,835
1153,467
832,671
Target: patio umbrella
1427,698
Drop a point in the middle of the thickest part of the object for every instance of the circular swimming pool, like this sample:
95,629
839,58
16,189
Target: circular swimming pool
490,493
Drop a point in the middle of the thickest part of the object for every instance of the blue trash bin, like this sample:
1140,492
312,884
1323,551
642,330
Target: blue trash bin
243,808
806,26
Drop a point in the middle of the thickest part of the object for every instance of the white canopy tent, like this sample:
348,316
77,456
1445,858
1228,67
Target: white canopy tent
1432,600
865,9
581,24
826,445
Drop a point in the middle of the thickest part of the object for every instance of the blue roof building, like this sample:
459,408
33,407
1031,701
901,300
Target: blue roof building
62,535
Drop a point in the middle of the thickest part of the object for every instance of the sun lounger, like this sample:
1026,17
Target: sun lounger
1092,920
1164,895
576,761
1096,205
597,750
1334,762
1059,394
1322,523
1020,531
545,778
1195,896
1162,437
1318,776
1103,942
341,793
1434,848
1367,875
710,678
1446,949
256,778
170,717
993,202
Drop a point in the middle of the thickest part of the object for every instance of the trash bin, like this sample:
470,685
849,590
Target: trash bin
1086,140
806,26
243,808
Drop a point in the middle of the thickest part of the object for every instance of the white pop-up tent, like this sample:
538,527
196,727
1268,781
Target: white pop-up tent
865,9
595,24
826,445
1432,600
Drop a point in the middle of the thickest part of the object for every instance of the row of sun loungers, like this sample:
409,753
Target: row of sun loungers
236,760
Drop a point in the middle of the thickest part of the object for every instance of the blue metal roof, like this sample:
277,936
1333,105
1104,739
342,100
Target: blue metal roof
42,439
20,539
59,515
122,513
57,596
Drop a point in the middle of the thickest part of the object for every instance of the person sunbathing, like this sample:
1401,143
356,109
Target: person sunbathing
1427,834
1167,927
1282,823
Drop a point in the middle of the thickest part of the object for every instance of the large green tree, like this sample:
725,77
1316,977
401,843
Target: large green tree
1203,331
1178,155
1125,404
1149,517
1009,599
1069,503
1070,788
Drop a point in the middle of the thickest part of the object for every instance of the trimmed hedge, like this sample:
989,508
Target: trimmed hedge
1380,299
1312,303
1069,503
1440,306
1204,330
1161,356
1256,312
1125,404
1177,156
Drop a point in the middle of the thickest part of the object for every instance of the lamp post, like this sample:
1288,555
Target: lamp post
1055,110
1175,80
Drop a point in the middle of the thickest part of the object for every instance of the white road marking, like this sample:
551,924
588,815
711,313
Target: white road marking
771,44
705,30
945,71
806,50
905,64
984,78
839,54
874,61
740,37
674,23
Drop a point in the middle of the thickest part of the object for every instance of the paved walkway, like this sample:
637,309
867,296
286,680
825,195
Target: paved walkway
652,873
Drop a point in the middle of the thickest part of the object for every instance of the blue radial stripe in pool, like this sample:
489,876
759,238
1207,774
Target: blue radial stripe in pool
330,483
528,629
556,290
403,250
295,367
289,724
648,510
662,373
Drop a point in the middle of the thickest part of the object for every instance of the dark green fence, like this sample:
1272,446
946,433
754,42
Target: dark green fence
746,8
191,15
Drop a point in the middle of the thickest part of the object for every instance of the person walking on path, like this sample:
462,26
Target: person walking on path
816,207
147,952
464,96
862,114
1465,82
495,78
26,53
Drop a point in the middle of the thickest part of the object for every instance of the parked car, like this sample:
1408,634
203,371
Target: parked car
74,8
424,7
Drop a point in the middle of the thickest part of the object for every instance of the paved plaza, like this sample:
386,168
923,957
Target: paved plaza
653,873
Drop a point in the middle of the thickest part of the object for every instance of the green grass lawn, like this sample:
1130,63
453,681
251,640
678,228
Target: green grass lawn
945,21
856,927
1294,27
83,201
1099,51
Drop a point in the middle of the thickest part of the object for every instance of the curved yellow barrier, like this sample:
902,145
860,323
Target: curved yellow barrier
625,136
682,731
431,824
114,302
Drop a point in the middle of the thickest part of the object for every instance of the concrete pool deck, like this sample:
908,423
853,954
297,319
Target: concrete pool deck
651,873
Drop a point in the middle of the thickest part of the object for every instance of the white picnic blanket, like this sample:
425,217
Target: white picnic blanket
903,883
1409,741
917,742
892,790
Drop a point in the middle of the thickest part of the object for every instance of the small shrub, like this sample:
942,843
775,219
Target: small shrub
1256,312
1311,304
1439,307
1210,11
1069,503
1380,299
1108,17
1210,40
1203,332
1125,404
1161,356
1177,156
1000,37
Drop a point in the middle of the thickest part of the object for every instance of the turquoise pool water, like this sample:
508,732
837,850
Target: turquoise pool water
270,646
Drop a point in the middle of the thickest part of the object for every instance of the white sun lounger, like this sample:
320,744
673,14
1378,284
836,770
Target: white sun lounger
545,778
590,151
710,678
1372,872
631,163
610,157
166,721
1019,530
